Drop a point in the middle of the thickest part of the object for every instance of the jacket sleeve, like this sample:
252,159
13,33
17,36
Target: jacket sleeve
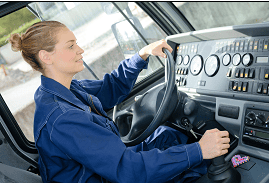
116,86
101,151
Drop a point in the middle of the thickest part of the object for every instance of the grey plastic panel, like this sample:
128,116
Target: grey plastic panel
233,125
7,154
252,30
217,87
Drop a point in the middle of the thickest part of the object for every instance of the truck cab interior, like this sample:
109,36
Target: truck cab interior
216,77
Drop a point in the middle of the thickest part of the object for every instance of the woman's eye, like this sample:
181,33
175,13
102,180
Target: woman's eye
71,46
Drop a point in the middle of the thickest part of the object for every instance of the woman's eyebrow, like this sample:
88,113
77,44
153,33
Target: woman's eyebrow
71,41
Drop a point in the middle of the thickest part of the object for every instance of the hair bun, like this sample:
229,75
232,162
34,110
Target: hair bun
16,42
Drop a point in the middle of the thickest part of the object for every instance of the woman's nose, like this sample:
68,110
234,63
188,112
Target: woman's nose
80,50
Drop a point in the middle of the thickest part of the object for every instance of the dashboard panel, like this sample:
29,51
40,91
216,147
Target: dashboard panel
229,68
235,66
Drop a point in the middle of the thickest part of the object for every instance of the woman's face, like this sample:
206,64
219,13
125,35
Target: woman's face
67,54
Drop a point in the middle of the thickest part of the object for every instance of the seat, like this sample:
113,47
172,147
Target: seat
9,174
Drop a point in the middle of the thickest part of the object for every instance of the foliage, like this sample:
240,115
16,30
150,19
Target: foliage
16,22
21,29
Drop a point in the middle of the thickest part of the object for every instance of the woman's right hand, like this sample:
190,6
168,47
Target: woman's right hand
155,49
214,143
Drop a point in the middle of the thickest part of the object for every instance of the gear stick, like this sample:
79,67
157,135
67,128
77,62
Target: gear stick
220,172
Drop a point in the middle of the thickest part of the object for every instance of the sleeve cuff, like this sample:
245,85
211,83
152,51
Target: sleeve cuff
137,62
194,154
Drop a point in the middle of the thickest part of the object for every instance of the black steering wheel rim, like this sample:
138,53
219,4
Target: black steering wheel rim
157,120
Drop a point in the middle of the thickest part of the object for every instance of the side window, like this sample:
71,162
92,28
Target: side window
18,81
101,30
104,33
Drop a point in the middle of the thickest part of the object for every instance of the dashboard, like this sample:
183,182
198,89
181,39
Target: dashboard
229,67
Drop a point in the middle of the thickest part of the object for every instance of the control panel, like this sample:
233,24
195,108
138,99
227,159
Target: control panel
235,66
256,128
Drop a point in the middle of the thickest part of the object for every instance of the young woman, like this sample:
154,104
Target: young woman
76,140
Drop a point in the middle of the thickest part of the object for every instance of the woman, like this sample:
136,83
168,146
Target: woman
76,140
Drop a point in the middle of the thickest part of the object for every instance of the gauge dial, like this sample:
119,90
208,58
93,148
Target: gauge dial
236,59
186,60
179,59
196,64
212,65
247,59
226,59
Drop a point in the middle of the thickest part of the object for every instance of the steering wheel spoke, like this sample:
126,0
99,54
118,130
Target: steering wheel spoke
150,111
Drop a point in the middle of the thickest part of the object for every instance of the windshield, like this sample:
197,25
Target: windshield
205,15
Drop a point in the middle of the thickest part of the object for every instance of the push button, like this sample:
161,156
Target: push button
252,73
241,48
231,85
224,48
201,83
235,86
266,74
259,89
242,72
246,73
239,88
265,88
237,73
229,73
184,82
260,45
185,71
237,46
265,46
246,46
250,47
255,48
245,87
229,46
180,81
232,46
220,47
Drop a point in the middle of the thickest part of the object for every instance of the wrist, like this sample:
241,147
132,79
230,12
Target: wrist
201,149
143,54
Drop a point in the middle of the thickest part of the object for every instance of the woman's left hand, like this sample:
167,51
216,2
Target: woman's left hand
155,49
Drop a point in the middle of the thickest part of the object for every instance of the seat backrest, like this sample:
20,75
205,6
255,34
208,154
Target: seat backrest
9,174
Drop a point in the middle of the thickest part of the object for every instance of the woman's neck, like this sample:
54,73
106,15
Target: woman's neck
64,79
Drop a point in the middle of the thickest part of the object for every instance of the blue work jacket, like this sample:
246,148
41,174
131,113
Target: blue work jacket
76,144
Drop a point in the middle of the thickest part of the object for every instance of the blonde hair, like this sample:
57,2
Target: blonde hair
39,36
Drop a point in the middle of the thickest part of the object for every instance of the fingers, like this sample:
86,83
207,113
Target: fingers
225,140
213,130
224,151
225,146
167,46
157,48
223,134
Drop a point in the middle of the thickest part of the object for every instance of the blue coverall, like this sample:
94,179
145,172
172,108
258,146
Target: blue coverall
76,144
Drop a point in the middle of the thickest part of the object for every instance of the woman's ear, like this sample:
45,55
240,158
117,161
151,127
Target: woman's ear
45,57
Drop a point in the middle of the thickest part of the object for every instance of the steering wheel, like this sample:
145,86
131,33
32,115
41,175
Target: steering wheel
151,110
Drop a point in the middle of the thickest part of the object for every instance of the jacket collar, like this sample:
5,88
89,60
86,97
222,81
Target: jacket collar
55,88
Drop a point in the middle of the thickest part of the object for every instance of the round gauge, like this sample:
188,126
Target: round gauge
236,59
196,64
226,59
179,59
247,59
186,60
212,65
